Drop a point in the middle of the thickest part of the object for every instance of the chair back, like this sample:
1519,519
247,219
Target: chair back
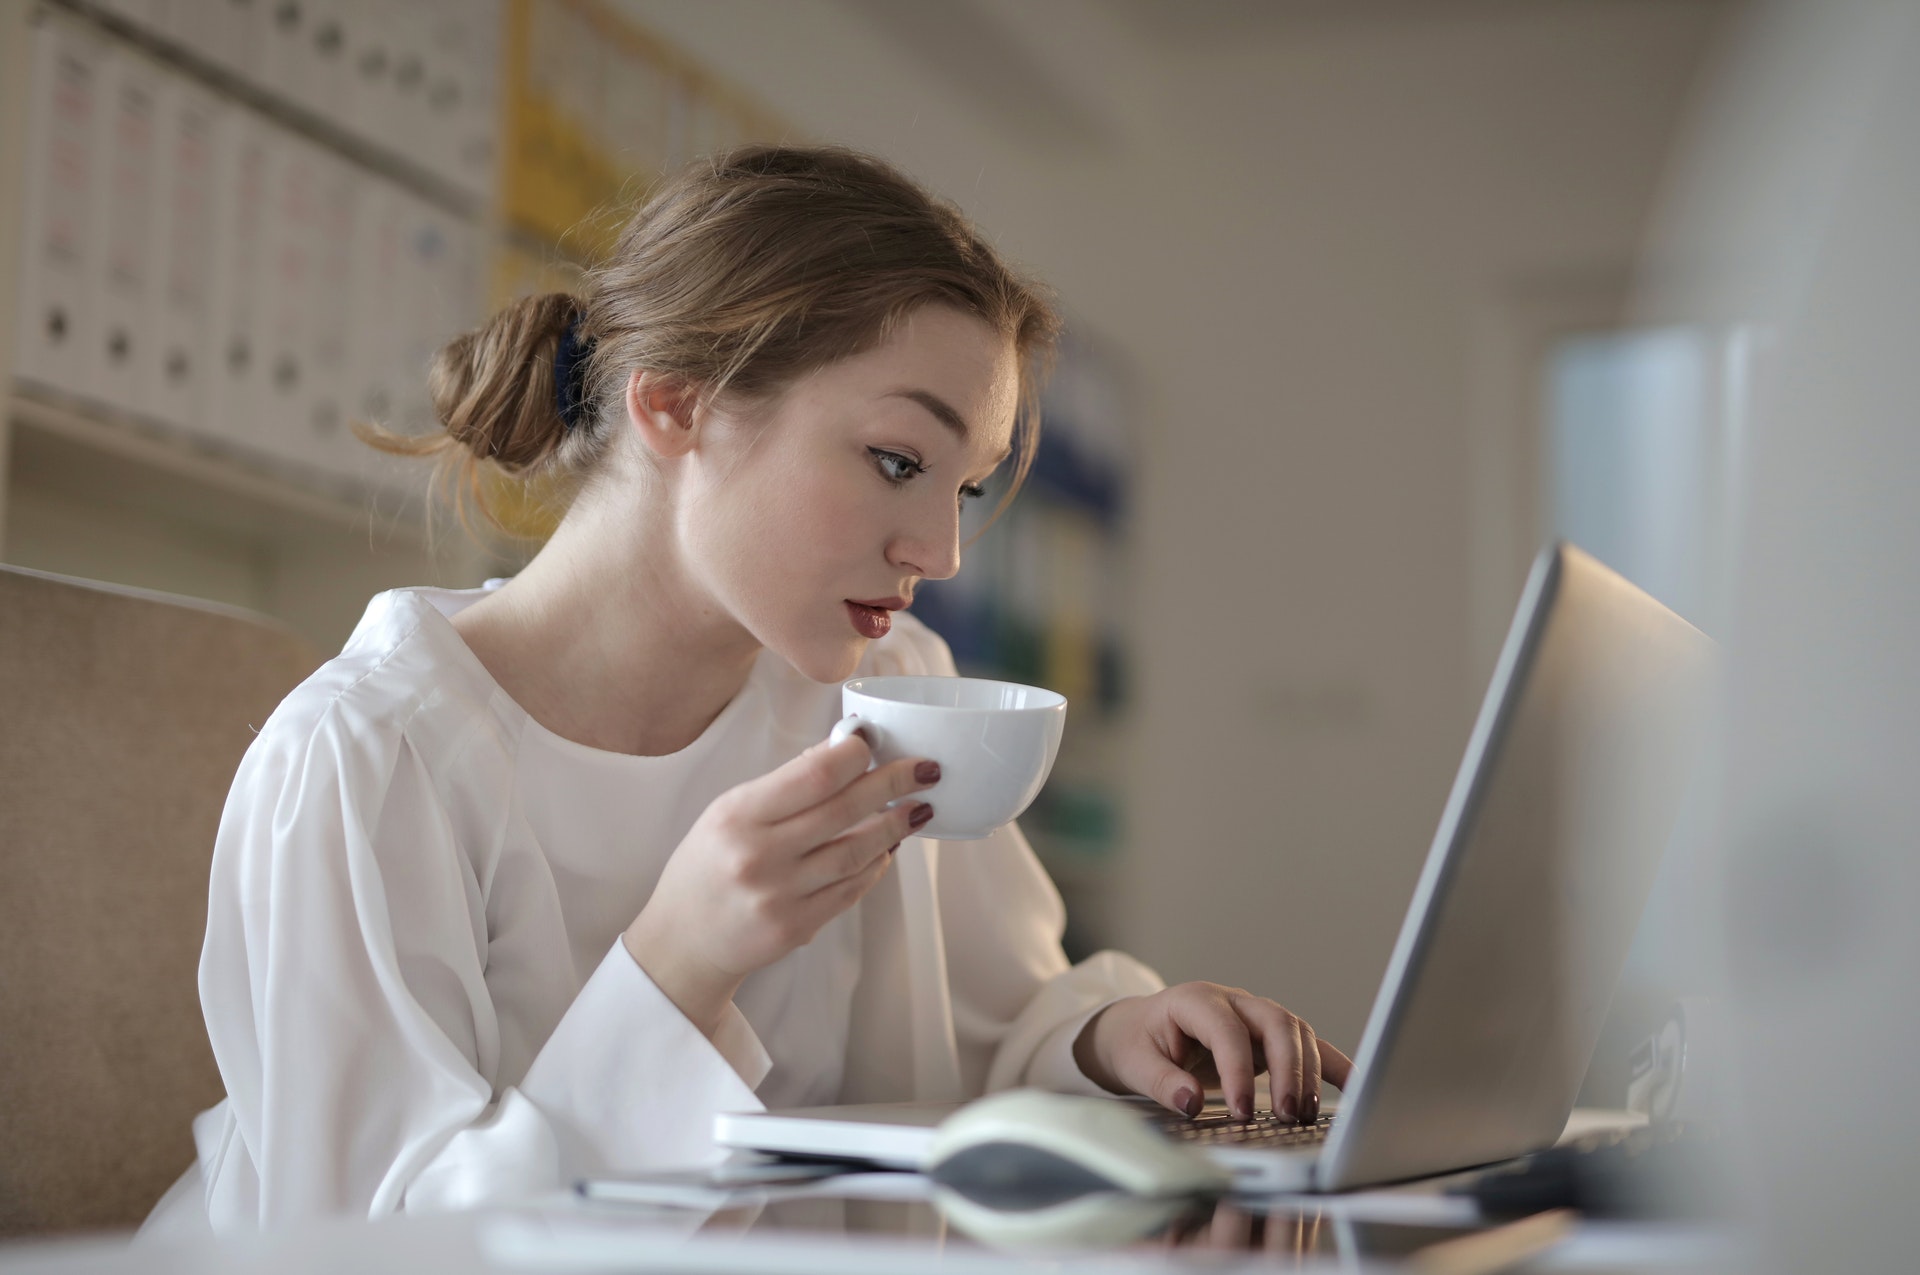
123,715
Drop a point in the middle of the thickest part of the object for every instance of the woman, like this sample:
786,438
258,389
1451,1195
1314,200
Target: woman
532,880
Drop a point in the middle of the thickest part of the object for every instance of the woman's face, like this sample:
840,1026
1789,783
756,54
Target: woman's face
815,520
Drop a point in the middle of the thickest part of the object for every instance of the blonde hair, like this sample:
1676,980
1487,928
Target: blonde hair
737,276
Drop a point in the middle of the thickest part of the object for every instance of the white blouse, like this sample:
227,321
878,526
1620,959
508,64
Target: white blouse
413,977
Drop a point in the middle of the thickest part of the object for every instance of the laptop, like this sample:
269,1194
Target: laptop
1521,919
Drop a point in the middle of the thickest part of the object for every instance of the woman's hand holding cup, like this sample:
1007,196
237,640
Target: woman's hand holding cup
768,864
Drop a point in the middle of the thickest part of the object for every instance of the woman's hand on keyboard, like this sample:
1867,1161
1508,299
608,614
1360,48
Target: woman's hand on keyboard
1171,1045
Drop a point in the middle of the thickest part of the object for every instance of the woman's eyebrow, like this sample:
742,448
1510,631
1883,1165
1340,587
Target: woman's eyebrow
941,409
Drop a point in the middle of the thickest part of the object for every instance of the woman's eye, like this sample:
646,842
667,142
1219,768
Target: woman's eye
895,467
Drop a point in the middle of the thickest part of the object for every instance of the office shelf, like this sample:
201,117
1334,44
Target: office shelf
71,444
114,498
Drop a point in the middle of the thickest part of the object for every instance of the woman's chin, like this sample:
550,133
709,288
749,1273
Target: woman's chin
828,664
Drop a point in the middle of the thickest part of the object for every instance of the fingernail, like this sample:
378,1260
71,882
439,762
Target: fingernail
894,848
1289,1107
921,813
1187,1103
927,772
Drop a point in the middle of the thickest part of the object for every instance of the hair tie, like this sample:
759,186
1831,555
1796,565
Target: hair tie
570,376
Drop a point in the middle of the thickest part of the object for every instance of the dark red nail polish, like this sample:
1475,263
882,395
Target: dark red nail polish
1187,1102
921,813
894,848
927,772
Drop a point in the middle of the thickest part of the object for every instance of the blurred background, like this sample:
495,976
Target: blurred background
1348,286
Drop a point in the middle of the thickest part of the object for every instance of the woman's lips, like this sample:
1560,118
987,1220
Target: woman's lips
870,622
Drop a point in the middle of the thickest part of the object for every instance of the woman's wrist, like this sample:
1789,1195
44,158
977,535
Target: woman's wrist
1089,1053
696,988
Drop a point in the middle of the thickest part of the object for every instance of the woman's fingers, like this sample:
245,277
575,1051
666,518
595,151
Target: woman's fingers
823,905
1213,1023
873,838
1166,1082
828,789
865,794
1335,1066
803,783
1280,1040
1297,1060
1309,1073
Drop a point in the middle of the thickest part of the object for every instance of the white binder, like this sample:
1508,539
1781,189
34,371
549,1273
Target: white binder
125,357
283,296
397,238
463,293
375,287
234,409
326,442
183,253
419,334
59,254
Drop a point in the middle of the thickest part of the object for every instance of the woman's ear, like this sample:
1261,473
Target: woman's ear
662,411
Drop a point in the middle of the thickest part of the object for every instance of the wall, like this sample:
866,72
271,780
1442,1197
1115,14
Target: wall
1293,222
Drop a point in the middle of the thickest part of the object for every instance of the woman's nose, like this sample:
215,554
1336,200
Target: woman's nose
931,552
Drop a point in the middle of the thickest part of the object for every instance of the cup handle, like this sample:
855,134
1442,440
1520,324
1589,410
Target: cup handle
851,725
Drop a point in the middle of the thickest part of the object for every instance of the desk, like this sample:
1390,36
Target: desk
860,1224
563,1239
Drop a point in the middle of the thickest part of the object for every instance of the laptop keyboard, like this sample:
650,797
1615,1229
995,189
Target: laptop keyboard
1265,1129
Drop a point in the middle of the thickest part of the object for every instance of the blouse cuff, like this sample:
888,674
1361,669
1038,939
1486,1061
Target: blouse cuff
736,1040
1054,1067
630,1083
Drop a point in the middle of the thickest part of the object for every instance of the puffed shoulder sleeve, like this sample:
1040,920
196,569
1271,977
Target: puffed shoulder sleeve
1018,1005
344,982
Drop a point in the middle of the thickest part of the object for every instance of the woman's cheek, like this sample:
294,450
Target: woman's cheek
842,517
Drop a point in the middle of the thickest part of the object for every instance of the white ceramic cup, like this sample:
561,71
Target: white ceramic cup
995,742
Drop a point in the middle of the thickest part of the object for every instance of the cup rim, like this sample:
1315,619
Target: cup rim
857,685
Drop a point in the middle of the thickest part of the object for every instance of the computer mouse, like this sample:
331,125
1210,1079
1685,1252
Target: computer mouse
1099,1219
1028,1148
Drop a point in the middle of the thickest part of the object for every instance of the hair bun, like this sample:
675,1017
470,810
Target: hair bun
494,389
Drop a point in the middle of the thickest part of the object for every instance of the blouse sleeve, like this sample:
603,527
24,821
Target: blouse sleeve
1018,1005
344,985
